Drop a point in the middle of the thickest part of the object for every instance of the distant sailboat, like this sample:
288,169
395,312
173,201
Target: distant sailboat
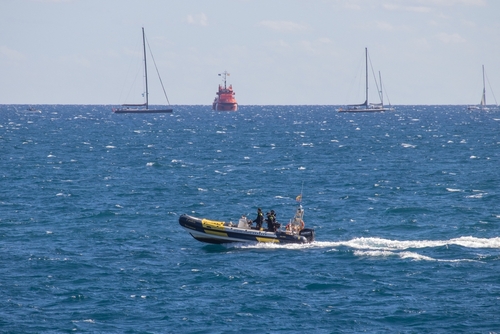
143,108
367,106
482,105
32,109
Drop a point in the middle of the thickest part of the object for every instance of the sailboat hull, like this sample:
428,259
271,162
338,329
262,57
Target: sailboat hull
365,110
141,111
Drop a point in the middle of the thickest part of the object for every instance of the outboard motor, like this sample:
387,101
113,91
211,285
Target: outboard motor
307,233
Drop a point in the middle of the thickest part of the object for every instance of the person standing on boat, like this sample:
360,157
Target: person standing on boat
271,221
297,222
259,220
276,225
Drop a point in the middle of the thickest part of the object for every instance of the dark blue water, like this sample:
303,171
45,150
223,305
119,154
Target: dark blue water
405,205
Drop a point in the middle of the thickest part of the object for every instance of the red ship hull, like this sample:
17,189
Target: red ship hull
221,106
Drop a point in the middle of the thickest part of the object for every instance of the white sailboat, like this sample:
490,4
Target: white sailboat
367,106
482,104
143,108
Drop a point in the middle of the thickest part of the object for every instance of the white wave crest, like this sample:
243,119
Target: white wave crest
386,244
382,245
481,195
406,255
403,255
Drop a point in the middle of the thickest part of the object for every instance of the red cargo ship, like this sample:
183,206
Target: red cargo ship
225,101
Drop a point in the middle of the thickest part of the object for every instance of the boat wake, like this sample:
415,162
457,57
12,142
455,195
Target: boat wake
384,248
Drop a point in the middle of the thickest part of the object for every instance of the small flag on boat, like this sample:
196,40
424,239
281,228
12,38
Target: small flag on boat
298,198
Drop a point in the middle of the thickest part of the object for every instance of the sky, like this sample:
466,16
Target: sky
278,52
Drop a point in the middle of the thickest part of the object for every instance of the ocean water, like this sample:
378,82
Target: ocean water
405,205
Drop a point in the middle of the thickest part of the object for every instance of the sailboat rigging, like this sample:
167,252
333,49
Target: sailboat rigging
482,105
143,108
367,106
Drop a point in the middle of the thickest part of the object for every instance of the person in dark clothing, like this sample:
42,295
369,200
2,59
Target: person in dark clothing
276,225
270,222
259,220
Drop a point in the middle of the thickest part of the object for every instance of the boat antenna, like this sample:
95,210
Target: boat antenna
224,74
299,198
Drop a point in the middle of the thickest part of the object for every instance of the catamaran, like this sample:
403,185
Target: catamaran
143,108
367,106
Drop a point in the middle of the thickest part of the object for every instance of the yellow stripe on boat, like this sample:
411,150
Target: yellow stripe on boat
212,224
267,240
219,234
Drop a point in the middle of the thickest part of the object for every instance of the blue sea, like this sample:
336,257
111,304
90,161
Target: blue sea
405,205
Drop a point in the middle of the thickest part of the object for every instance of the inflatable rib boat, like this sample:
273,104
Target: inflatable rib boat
219,232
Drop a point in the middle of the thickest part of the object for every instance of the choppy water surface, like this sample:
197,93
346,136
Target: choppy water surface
405,205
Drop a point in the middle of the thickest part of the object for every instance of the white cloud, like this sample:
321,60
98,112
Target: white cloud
197,19
352,6
415,9
76,60
468,23
282,44
317,47
450,38
454,2
421,43
52,0
283,26
385,26
11,54
426,6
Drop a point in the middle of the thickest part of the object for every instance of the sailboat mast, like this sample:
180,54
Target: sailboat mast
483,100
145,67
366,74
